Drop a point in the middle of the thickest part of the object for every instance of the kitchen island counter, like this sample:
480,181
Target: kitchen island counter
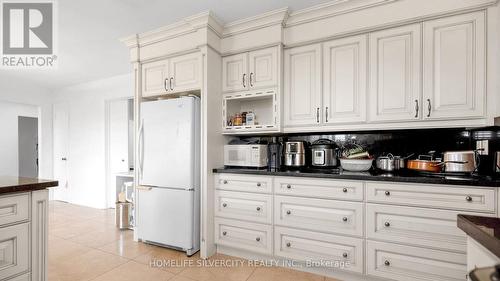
9,184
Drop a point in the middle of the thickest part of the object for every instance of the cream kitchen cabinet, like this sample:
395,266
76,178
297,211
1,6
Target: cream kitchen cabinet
302,86
395,74
344,80
173,75
454,67
250,70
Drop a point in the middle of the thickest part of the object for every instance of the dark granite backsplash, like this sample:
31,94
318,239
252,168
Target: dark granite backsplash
417,141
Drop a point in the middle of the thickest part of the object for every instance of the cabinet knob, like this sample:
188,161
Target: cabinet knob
288,212
259,184
387,263
224,205
387,224
344,190
468,198
344,255
288,186
387,193
344,219
288,244
257,239
224,182
224,233
258,208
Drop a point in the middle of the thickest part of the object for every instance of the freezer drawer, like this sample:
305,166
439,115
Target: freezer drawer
166,216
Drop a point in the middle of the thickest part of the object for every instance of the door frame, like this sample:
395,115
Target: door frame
109,184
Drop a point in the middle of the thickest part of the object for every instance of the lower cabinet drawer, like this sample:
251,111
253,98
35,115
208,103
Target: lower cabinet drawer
244,206
24,277
14,208
418,226
407,263
319,249
340,217
245,183
14,250
252,237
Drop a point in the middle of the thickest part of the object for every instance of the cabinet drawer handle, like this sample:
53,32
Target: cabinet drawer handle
224,233
344,255
468,198
257,239
224,205
416,108
224,182
288,212
344,219
387,263
429,107
288,186
251,74
171,87
326,114
258,208
259,184
387,224
344,190
288,244
165,84
387,193
317,114
243,80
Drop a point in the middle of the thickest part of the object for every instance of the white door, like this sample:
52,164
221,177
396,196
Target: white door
454,67
61,149
344,80
263,68
234,73
302,86
117,145
395,67
185,72
155,78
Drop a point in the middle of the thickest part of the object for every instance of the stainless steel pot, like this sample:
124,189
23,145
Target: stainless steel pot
390,163
324,153
460,161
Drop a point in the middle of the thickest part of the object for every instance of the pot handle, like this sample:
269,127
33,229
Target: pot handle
323,141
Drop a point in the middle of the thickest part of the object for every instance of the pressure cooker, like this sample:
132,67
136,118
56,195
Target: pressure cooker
324,153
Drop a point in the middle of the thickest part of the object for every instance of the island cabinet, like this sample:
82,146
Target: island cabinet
366,229
23,236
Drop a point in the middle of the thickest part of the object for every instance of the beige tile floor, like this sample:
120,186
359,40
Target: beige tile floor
84,244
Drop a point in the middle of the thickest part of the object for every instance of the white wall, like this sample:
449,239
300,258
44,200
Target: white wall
9,112
86,162
24,94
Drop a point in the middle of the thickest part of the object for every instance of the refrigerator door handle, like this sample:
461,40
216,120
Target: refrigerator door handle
141,148
144,188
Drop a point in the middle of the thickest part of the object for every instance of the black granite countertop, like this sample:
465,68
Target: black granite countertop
10,184
475,180
485,230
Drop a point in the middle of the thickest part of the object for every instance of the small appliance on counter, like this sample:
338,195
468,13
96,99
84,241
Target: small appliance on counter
496,164
251,155
274,155
295,154
324,154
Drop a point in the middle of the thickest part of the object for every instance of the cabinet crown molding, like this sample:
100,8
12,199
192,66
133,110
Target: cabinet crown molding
274,17
331,9
187,25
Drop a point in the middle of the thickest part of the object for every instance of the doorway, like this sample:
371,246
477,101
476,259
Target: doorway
28,146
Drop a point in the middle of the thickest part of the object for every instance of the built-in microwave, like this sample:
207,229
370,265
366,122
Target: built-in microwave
245,155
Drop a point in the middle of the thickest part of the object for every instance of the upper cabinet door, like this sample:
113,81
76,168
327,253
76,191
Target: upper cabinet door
155,78
344,80
302,87
185,73
454,67
263,68
395,67
234,73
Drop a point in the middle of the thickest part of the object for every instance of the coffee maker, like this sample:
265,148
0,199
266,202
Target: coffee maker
274,155
496,164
